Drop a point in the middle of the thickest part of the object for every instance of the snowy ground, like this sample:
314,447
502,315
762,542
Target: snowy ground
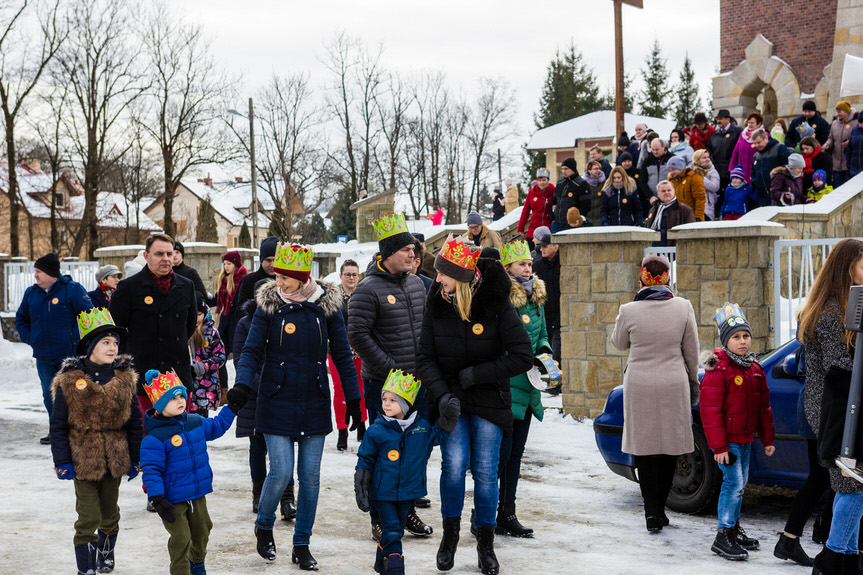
588,520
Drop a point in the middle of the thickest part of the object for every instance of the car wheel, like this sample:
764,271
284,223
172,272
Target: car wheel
697,478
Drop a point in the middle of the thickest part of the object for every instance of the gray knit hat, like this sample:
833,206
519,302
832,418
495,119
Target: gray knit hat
106,271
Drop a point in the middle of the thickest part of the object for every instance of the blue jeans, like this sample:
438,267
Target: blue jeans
845,527
258,458
474,442
393,515
47,369
734,478
281,450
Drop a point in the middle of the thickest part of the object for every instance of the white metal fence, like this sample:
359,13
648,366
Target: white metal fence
670,252
19,276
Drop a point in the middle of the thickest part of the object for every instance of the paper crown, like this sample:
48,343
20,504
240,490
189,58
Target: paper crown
405,385
543,173
514,251
293,257
648,280
162,388
97,317
729,313
459,253
389,226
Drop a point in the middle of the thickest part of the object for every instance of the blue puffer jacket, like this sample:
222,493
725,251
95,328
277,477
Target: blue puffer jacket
737,200
174,454
290,341
47,321
396,458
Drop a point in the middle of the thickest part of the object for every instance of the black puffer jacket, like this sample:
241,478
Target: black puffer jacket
246,291
475,359
246,416
571,192
384,319
549,272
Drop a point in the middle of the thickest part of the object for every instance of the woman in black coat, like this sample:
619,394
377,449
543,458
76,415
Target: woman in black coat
472,343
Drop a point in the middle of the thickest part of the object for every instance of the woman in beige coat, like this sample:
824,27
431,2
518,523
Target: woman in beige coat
660,383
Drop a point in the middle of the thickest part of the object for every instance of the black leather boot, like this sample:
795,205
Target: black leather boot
303,557
266,545
448,543
508,523
790,548
256,494
828,562
726,545
288,503
342,441
487,560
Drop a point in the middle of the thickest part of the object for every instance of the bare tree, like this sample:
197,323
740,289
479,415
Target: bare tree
187,97
49,129
392,107
138,176
103,71
20,72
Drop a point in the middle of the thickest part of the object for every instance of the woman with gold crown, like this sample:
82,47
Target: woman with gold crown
298,319
472,343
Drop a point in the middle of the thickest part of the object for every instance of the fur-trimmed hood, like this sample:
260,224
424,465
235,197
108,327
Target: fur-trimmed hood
709,359
122,361
493,291
518,295
780,170
328,297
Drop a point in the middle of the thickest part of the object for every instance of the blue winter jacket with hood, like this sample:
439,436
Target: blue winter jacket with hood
48,321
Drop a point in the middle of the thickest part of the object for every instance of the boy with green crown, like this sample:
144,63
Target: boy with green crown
391,465
96,435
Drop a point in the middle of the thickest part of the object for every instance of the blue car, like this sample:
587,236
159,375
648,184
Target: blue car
698,478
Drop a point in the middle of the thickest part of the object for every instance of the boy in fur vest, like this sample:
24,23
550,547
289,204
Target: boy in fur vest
96,435
735,402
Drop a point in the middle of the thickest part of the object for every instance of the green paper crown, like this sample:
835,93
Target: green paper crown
293,257
390,225
405,385
514,251
90,320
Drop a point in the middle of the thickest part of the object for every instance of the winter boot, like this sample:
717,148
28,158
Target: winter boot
416,527
289,506
342,442
105,552
485,551
361,431
790,548
377,531
726,546
257,486
508,523
422,503
266,544
828,562
379,559
85,557
473,529
448,543
394,564
303,557
820,530
744,540
197,568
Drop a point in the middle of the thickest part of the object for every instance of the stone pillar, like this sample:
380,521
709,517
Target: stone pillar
118,255
206,258
599,272
728,261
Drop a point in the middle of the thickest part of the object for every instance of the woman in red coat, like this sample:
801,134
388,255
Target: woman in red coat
536,211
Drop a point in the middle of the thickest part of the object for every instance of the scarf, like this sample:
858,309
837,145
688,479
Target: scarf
303,294
743,361
698,138
164,282
656,225
107,291
225,300
654,292
527,284
403,423
808,159
746,134
593,182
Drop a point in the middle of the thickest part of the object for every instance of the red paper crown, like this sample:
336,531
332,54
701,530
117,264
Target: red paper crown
648,280
460,254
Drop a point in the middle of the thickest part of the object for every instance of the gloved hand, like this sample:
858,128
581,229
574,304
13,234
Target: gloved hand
65,471
199,368
134,471
465,377
362,482
164,508
449,408
237,397
352,413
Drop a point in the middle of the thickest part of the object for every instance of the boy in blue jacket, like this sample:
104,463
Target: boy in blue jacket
176,468
391,466
737,196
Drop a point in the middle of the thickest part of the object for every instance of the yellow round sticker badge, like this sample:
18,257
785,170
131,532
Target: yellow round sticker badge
525,318
177,441
477,328
738,380
393,455
55,301
391,298
290,328
148,300
81,384
623,201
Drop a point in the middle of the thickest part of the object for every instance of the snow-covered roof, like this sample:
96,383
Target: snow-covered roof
592,126
229,198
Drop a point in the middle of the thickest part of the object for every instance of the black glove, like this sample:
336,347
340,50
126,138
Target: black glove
237,397
352,412
362,481
164,508
465,377
450,408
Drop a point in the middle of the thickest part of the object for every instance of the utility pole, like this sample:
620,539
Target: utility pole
254,177
499,172
619,101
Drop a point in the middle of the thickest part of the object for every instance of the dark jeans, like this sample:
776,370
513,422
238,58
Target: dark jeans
554,340
509,466
393,515
810,493
47,369
655,474
258,457
840,178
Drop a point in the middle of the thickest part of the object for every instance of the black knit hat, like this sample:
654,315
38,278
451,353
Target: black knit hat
390,245
809,106
570,163
179,247
457,260
268,248
50,264
624,156
623,141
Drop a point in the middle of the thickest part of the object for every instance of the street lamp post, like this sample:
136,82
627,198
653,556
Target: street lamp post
251,118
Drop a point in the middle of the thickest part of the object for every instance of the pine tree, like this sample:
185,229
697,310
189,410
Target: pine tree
313,229
207,231
654,97
245,239
686,95
277,223
344,221
628,96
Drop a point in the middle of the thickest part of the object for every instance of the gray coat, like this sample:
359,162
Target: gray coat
660,383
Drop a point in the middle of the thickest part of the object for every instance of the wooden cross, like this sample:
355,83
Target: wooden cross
619,106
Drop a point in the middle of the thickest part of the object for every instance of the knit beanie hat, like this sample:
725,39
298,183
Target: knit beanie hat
737,172
268,248
729,319
93,325
234,257
676,163
162,388
571,164
457,260
624,157
809,106
94,341
107,271
392,234
819,175
474,219
796,161
179,247
50,264
490,253
623,141
844,106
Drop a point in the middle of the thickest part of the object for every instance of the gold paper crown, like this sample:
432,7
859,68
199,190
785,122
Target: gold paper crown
160,385
460,254
405,385
293,257
726,313
514,251
390,225
90,320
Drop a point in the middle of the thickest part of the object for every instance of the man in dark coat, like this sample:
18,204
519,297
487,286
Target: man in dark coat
667,213
571,191
158,308
267,254
653,170
384,326
186,271
47,321
813,118
770,155
721,146
546,266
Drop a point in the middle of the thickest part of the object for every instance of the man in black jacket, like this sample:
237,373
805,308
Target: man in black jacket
571,191
546,266
384,326
186,271
267,254
811,116
721,146
158,308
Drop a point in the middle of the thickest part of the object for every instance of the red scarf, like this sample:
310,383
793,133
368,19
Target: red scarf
808,159
108,292
698,139
224,300
163,282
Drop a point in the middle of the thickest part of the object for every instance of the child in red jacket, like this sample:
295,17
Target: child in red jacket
735,402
